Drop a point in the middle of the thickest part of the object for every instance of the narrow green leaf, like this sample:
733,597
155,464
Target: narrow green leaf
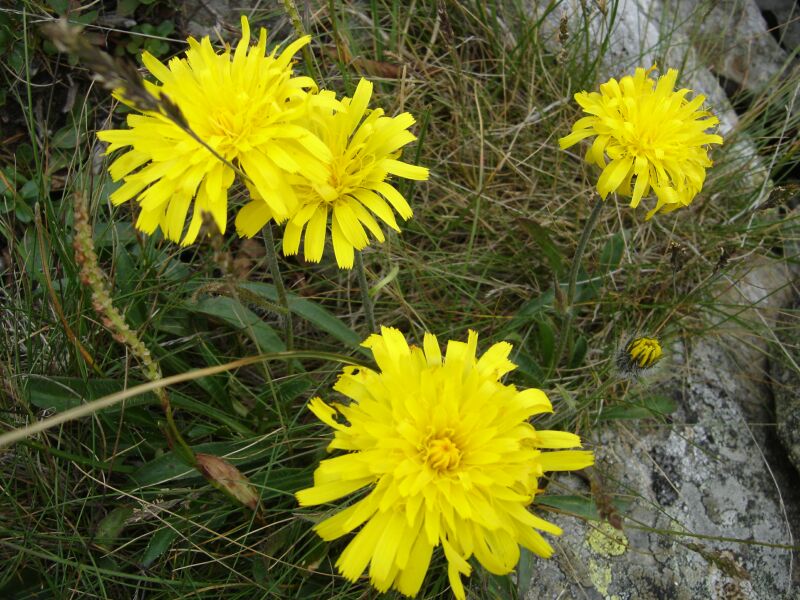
170,467
576,505
648,408
182,401
611,254
59,393
283,482
578,353
311,311
533,307
542,238
525,570
66,137
527,366
238,316
546,340
158,544
110,528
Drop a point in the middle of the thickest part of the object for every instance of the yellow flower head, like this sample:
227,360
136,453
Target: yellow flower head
365,147
244,104
639,354
446,456
651,133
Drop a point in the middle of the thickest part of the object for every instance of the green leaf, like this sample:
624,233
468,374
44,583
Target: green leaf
648,408
542,238
525,572
546,338
531,309
310,311
182,401
110,233
66,137
283,482
587,288
169,467
238,316
59,6
110,528
62,393
527,366
125,8
576,505
578,353
158,544
580,506
611,255
85,18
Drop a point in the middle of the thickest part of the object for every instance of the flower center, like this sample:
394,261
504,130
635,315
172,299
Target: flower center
442,454
644,351
339,178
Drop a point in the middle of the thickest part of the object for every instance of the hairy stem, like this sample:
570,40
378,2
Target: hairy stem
280,289
364,288
588,228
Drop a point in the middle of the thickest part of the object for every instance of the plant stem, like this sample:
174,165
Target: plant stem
280,290
573,278
95,279
365,299
297,23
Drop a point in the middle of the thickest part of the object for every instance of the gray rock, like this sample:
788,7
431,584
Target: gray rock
648,32
710,472
732,38
787,13
784,366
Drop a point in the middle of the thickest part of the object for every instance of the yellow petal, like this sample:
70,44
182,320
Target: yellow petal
342,248
409,580
252,218
320,494
359,552
566,460
315,234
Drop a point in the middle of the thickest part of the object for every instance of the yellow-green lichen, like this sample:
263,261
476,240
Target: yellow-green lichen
604,540
600,576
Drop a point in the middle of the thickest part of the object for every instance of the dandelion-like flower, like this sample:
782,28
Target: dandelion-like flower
246,106
655,137
639,354
365,147
447,457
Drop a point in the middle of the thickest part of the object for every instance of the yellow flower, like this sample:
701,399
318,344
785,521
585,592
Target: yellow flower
365,152
446,456
639,354
245,105
651,133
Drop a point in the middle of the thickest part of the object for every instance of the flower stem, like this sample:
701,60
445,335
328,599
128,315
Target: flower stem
573,278
95,279
297,23
365,299
280,289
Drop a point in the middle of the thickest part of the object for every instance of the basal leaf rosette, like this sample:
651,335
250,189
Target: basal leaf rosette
247,106
365,147
445,456
654,136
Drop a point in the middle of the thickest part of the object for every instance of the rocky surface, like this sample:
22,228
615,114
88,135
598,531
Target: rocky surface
706,39
712,471
785,379
716,470
786,14
731,37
